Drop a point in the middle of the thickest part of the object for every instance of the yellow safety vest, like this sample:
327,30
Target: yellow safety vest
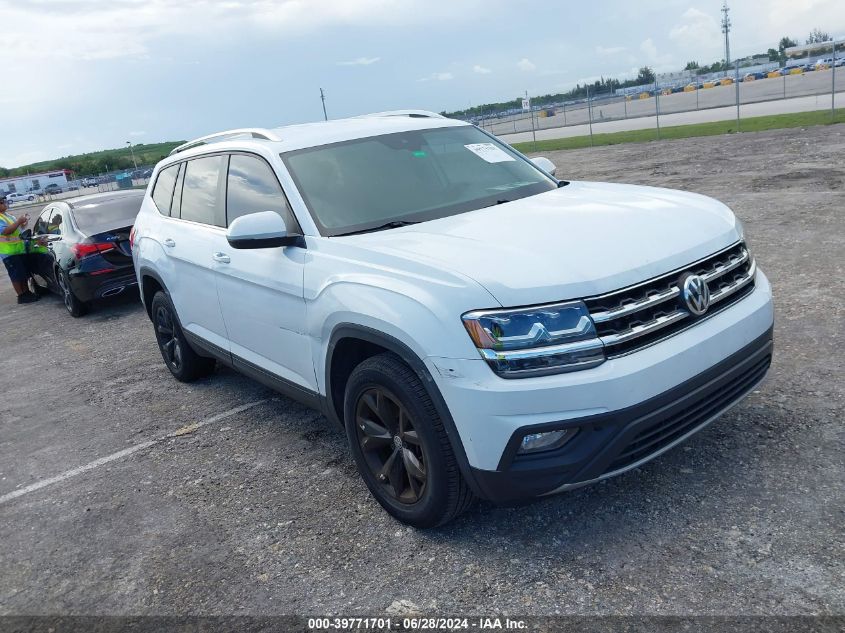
11,244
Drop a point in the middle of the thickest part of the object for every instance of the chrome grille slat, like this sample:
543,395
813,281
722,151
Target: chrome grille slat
720,272
641,330
736,286
637,316
630,308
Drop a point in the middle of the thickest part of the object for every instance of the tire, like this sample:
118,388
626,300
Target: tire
389,415
76,307
182,361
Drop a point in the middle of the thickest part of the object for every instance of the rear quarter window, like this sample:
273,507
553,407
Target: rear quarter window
163,189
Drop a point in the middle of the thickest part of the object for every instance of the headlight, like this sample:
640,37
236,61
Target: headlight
536,341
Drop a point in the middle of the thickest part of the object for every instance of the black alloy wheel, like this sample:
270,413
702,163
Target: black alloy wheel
400,444
181,359
390,445
168,341
74,306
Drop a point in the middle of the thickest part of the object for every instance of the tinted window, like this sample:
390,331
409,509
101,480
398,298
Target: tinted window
40,227
252,187
54,224
410,176
199,193
163,191
105,215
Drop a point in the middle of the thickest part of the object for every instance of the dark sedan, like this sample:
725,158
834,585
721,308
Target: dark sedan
80,248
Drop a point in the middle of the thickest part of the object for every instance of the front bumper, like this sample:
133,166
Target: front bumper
611,443
707,367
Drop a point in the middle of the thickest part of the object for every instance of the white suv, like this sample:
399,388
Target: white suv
478,327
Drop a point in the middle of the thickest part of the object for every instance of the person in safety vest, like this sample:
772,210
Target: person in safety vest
13,252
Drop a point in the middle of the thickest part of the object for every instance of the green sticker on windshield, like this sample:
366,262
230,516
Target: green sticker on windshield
419,154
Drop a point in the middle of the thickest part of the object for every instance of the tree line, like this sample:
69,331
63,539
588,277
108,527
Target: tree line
93,163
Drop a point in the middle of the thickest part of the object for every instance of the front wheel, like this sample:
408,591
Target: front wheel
400,445
182,361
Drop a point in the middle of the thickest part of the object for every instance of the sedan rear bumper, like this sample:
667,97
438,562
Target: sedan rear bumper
91,287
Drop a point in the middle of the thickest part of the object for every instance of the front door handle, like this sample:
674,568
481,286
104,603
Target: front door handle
223,258
169,243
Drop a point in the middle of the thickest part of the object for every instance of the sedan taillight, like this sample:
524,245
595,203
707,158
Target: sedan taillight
84,250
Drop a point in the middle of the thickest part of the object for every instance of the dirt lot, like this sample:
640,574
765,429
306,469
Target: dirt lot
260,511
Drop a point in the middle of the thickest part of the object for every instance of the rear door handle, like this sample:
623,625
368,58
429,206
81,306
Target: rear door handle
169,243
223,258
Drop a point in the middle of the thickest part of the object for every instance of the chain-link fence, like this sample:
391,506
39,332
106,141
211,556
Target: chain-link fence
109,181
812,81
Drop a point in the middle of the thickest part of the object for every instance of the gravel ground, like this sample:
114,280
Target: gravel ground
261,511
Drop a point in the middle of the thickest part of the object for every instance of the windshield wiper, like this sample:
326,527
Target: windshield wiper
394,224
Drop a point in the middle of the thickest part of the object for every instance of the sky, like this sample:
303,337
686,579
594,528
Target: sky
83,75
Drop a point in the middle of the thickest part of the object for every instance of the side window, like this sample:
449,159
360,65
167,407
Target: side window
252,187
199,193
163,190
40,227
54,224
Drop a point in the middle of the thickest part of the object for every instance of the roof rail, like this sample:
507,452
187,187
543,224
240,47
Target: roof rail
250,132
417,114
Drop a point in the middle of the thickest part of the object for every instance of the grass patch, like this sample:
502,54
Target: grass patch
752,124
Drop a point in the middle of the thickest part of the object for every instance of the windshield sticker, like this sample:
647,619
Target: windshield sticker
489,152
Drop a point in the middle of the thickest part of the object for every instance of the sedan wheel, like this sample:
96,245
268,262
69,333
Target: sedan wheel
76,307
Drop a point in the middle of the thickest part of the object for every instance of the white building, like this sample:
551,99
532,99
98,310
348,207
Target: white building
34,182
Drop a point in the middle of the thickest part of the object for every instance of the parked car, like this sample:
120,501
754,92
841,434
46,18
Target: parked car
477,326
754,76
89,182
80,248
51,189
20,197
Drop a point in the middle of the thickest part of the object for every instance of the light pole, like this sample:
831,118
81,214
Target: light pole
132,153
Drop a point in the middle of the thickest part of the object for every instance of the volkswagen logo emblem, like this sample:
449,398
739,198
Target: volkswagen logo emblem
696,294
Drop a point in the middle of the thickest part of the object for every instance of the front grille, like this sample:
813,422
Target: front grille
668,430
635,317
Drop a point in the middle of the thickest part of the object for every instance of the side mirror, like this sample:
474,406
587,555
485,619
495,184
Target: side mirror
26,235
48,237
264,229
545,164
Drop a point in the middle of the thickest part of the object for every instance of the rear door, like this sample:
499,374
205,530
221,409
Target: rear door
261,291
190,237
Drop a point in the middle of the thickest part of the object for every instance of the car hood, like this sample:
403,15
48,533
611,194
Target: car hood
580,240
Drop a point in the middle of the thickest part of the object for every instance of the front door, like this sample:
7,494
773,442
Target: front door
260,290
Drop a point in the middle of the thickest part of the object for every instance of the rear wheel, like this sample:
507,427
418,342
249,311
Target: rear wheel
74,305
182,361
400,446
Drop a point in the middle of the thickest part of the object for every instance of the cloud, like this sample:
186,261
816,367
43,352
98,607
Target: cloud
360,61
613,50
481,70
653,58
526,65
698,31
437,77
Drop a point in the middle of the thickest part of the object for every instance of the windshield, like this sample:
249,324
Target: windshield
367,183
